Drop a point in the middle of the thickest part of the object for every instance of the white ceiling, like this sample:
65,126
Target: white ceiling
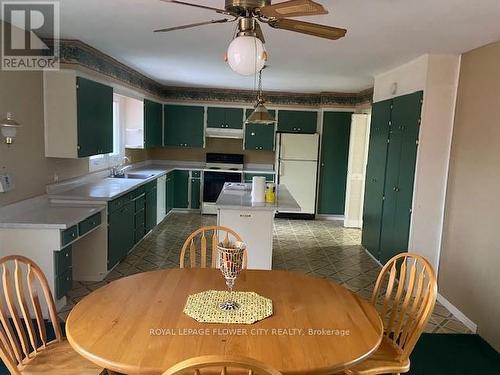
382,34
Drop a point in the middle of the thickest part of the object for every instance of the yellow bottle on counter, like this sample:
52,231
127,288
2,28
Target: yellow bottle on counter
270,193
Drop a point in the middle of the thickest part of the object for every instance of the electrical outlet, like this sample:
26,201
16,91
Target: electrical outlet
6,183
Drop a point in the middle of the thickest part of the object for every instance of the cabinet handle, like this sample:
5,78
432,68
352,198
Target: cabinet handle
67,255
252,133
396,189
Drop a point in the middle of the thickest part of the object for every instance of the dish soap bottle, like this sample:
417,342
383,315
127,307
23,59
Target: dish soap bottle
270,193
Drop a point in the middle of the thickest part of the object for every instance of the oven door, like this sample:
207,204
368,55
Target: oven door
214,181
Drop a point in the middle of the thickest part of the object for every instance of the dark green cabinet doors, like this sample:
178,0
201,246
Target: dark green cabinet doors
230,118
183,125
94,117
390,175
297,121
259,137
334,159
153,122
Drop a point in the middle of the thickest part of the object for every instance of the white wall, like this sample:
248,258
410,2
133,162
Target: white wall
437,76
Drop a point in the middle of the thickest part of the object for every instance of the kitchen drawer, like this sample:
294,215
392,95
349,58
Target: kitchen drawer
64,283
69,235
137,192
90,223
62,260
150,186
140,203
249,176
195,174
118,203
139,219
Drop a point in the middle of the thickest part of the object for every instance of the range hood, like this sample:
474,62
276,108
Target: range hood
224,133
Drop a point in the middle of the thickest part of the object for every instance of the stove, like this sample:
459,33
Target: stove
220,168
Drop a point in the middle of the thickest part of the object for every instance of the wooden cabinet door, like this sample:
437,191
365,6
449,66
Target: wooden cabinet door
195,193
297,121
234,118
94,118
153,121
183,125
375,176
333,163
181,184
400,175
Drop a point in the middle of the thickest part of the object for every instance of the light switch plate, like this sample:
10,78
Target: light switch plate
6,183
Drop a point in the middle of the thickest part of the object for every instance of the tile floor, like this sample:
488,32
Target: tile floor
321,248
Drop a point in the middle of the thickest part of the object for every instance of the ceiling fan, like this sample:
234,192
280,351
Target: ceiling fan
248,12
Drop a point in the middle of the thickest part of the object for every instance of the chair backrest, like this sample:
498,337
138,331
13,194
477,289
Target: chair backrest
224,364
208,235
405,294
21,335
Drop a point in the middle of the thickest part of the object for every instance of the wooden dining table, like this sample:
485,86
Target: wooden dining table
136,325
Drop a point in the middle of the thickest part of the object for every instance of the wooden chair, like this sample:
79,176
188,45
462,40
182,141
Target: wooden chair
224,365
190,243
405,294
24,347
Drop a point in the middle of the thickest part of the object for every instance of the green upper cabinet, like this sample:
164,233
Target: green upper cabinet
297,121
153,124
334,159
231,118
94,117
259,136
375,176
183,125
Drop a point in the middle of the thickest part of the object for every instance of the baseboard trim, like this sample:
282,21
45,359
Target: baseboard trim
330,217
294,216
353,224
457,313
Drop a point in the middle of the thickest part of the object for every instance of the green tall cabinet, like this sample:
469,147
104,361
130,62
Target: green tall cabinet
334,160
390,175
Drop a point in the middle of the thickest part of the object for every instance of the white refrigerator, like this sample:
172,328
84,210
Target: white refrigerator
297,167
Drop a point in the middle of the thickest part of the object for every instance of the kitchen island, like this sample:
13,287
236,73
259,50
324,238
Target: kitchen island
253,221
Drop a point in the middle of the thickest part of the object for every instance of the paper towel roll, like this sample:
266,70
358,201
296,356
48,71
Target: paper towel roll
258,189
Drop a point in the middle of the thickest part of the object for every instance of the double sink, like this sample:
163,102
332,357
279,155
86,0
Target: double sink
135,176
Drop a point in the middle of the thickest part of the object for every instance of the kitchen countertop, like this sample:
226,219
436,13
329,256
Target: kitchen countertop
41,213
242,200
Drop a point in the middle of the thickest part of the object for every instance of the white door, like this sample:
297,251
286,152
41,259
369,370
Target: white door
299,146
299,177
356,170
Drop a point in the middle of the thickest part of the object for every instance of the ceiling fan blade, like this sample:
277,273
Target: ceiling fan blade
293,8
191,25
258,32
221,11
322,31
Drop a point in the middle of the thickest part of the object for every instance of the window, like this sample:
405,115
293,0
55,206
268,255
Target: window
99,162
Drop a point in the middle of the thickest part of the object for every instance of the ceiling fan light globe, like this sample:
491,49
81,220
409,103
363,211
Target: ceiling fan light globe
246,55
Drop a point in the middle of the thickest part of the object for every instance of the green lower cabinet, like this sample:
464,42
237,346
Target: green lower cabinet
121,232
181,189
183,125
63,271
169,192
259,137
298,121
151,200
334,160
195,193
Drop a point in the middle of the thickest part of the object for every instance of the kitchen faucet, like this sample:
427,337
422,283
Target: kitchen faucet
119,169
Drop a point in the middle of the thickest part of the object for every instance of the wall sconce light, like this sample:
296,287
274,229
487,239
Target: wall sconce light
8,128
